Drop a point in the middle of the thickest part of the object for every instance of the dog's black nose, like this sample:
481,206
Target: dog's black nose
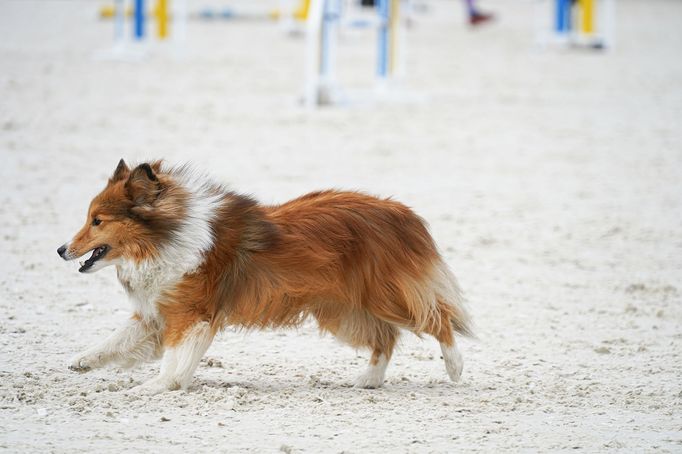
61,250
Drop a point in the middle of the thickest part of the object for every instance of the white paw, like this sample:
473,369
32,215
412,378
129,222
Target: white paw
369,380
154,386
453,363
83,362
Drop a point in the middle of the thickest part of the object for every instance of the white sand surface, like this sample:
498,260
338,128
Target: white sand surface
551,180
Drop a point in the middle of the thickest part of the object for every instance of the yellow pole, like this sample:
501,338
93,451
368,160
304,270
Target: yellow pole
587,7
393,34
301,12
162,18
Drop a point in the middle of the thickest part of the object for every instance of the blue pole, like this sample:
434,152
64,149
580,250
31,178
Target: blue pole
563,16
382,45
139,19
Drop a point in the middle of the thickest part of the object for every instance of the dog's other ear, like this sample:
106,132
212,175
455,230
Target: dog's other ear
121,172
142,185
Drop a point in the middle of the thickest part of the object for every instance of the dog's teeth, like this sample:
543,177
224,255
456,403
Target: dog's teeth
82,264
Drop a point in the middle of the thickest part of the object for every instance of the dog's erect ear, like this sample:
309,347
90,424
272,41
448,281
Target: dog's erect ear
142,185
121,172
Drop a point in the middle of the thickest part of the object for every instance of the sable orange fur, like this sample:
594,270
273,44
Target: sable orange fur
362,266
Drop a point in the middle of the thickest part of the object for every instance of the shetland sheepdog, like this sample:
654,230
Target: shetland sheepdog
194,257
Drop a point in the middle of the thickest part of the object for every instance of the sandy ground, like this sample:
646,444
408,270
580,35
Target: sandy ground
551,180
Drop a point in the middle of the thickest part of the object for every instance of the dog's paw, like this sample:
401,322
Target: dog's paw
453,363
369,380
84,362
153,387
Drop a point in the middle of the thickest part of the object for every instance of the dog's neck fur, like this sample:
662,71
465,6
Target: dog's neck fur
185,251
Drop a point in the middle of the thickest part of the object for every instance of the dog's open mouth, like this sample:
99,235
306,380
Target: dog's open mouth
97,254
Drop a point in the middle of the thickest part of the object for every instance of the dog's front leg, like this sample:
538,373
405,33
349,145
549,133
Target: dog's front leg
136,341
181,357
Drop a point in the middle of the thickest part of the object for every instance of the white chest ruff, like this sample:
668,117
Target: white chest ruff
145,283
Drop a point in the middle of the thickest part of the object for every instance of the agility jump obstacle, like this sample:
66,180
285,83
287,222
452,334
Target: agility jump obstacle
136,11
325,20
129,39
579,22
290,14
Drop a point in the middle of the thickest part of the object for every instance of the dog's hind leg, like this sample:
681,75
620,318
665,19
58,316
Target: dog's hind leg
363,329
452,318
453,359
373,377
181,358
444,333
136,341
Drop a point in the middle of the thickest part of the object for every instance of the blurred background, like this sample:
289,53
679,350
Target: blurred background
549,170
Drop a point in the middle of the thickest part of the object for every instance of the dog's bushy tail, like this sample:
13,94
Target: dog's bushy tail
451,300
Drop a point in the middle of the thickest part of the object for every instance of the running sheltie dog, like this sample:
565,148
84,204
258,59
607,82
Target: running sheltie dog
194,258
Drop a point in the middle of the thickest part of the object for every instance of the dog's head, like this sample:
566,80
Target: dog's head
125,221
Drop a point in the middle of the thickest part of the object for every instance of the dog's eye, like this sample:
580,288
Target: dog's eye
96,221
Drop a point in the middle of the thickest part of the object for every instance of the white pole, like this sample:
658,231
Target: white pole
119,23
330,34
286,15
608,23
404,14
313,53
179,31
